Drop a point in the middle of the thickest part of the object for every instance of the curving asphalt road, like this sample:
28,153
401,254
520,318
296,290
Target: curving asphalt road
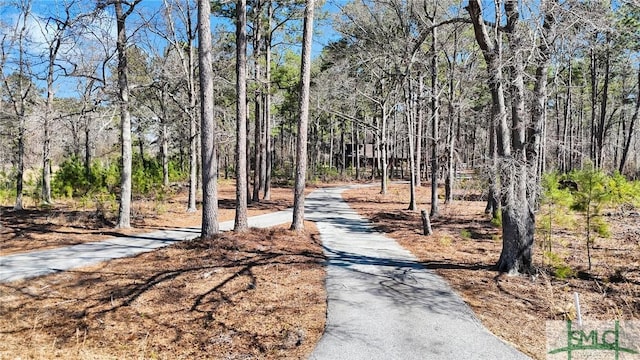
382,304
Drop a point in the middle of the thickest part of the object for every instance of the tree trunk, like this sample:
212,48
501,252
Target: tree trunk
566,123
54,46
165,152
268,157
301,148
241,222
193,125
420,120
124,213
448,186
164,136
87,149
435,124
209,170
630,131
20,163
518,222
343,148
258,106
601,127
357,141
517,215
383,151
411,126
594,99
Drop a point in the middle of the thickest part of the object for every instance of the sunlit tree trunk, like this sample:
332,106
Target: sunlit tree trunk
124,212
241,222
209,171
193,120
301,148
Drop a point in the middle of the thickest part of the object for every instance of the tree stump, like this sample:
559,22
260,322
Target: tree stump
426,223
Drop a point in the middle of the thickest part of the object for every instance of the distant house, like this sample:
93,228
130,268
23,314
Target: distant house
366,152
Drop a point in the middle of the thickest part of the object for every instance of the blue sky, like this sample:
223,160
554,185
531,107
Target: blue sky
39,33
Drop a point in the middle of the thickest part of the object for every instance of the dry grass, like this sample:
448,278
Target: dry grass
258,294
465,246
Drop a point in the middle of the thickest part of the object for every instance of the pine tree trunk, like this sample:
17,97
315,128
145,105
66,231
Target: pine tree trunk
383,151
630,131
241,222
411,138
601,127
209,171
420,121
268,157
435,124
258,106
301,148
193,127
124,213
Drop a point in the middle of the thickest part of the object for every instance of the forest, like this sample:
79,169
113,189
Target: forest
127,97
506,128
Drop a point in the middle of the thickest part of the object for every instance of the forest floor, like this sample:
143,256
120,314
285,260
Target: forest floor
465,246
261,294
258,294
70,222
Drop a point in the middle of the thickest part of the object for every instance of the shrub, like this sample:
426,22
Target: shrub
554,204
466,234
560,268
72,179
589,199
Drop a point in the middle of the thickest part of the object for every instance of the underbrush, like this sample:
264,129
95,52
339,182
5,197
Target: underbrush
575,206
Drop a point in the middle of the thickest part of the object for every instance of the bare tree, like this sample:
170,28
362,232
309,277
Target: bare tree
124,212
184,48
301,148
19,89
58,27
517,234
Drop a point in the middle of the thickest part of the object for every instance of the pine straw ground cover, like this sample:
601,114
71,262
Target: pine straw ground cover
252,295
92,218
465,246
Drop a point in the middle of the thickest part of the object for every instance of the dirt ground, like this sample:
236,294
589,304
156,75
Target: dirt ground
465,247
258,294
70,222
242,296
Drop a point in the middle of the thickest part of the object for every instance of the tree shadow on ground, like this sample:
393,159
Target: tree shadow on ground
194,286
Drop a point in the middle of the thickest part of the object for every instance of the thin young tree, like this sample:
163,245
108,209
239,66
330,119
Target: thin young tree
57,27
18,88
182,42
301,148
